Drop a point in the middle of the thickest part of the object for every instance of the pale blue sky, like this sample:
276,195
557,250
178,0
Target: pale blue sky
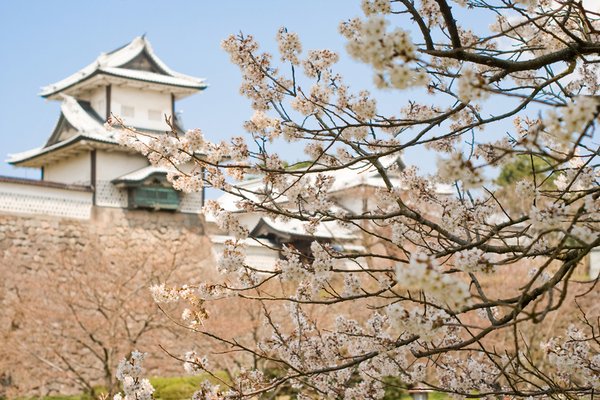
42,42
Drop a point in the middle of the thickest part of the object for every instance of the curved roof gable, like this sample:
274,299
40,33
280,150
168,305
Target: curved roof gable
136,61
77,122
82,117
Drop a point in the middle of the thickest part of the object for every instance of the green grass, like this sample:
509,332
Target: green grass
170,388
175,388
180,388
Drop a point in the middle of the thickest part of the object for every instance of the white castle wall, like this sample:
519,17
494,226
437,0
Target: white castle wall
26,198
257,255
111,165
98,101
23,198
107,195
149,107
73,170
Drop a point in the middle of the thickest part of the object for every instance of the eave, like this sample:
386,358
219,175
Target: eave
140,176
101,78
288,232
63,150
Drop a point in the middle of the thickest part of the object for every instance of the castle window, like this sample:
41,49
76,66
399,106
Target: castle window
153,197
127,111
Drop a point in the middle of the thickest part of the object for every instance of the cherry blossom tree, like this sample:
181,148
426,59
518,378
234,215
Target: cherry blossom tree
68,323
462,293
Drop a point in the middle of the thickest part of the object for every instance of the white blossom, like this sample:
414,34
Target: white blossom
129,372
424,273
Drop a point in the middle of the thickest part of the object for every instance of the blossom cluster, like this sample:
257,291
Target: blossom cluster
194,364
256,85
129,372
471,86
226,220
388,52
560,130
473,260
289,45
370,7
426,324
424,273
456,168
575,358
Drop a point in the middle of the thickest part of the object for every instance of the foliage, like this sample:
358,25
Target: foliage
525,168
175,388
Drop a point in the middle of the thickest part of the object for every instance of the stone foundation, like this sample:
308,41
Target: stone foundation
34,252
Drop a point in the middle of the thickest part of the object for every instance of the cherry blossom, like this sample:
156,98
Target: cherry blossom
444,278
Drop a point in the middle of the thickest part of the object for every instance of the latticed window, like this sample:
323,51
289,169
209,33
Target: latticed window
157,198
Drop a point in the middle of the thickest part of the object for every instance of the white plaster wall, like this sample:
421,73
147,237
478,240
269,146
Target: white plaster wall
98,101
112,164
31,199
142,101
75,170
257,256
353,203
248,220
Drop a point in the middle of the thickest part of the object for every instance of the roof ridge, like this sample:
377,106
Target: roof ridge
116,59
123,46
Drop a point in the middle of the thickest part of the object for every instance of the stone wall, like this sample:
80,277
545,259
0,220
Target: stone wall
40,255
34,241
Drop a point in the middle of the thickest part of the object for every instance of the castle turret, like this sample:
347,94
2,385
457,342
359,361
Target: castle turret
134,84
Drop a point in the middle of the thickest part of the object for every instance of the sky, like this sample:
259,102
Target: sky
42,42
